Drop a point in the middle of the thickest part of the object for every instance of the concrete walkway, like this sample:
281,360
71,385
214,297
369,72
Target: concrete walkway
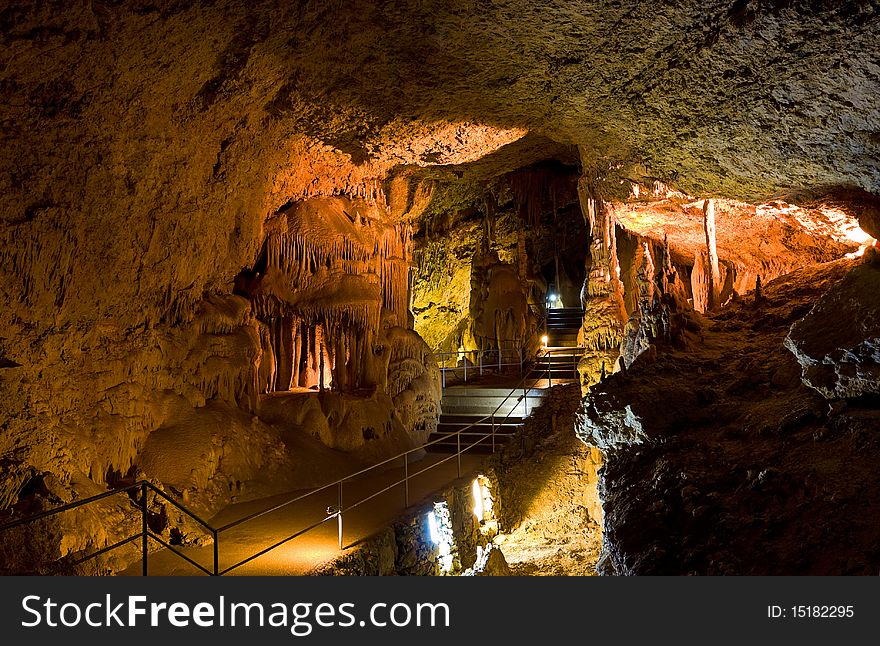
303,554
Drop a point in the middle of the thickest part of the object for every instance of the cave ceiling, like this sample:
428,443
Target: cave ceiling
742,99
737,98
131,128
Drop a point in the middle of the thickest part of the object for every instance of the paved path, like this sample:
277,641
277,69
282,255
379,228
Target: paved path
301,555
321,545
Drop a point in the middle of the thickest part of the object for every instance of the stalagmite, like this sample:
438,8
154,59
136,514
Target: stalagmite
645,323
336,263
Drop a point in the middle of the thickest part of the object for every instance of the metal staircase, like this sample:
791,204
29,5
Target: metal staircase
473,411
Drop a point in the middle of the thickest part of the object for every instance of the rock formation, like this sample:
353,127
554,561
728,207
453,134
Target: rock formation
838,342
723,442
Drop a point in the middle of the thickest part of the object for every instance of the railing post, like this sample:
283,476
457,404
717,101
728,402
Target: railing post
406,479
464,360
443,373
145,535
481,362
525,402
499,357
458,452
216,553
493,432
339,514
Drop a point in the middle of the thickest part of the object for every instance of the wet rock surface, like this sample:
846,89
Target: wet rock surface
741,468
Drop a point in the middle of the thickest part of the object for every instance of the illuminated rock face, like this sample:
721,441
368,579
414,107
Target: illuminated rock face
602,295
331,275
483,272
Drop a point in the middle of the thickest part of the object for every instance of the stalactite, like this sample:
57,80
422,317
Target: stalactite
714,274
602,294
312,248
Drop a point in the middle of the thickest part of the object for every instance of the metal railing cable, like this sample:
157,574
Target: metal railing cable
145,487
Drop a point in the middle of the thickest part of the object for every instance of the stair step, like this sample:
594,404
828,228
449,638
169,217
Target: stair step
467,437
558,360
491,391
504,429
485,446
501,413
558,357
459,401
566,341
464,418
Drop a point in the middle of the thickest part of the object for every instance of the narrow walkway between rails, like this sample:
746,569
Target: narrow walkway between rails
303,554
493,407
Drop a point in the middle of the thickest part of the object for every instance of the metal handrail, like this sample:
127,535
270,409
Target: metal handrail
442,357
521,384
145,486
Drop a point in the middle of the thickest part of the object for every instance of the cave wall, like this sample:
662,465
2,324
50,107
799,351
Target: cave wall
143,160
756,444
468,292
483,273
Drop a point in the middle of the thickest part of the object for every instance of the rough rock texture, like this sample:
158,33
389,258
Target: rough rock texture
719,460
483,272
547,499
602,295
738,98
766,240
629,301
468,293
406,547
544,516
838,342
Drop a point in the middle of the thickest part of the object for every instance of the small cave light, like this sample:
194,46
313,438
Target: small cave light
433,527
477,492
544,340
441,535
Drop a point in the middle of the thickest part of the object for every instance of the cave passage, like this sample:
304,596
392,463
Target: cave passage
618,266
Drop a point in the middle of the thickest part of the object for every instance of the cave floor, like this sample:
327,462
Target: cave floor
305,553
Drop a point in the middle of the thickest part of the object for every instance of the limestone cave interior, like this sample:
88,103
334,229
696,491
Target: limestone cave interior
270,268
